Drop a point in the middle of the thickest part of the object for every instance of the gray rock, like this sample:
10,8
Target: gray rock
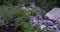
42,26
57,30
58,26
39,17
47,23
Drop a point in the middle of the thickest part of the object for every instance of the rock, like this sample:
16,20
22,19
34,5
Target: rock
42,26
44,23
54,28
57,30
23,7
40,22
39,17
54,14
58,26
47,22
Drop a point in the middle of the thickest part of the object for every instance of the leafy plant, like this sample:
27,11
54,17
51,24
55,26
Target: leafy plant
17,17
37,27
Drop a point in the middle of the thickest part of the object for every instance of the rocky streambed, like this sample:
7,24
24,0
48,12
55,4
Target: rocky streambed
45,23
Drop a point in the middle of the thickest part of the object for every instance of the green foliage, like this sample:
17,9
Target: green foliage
37,27
14,2
5,2
26,26
1,22
7,9
47,5
23,17
58,3
22,20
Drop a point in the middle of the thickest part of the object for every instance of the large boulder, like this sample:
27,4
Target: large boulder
54,14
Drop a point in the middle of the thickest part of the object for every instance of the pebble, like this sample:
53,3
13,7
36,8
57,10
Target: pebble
42,26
